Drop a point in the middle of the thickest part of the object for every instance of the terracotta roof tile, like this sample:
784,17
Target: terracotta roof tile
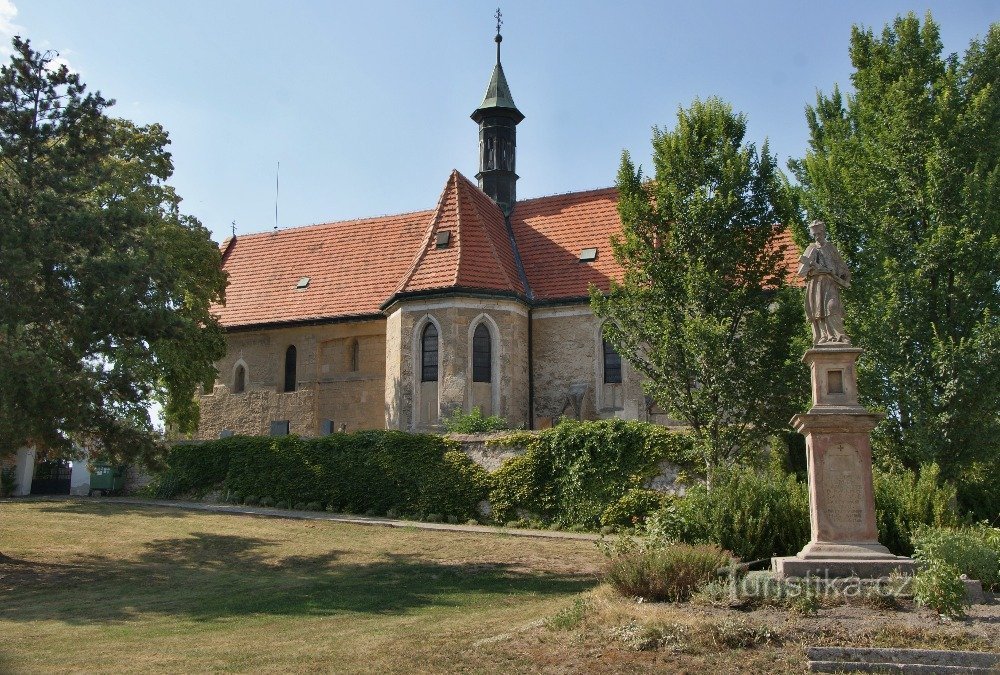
479,254
552,231
355,267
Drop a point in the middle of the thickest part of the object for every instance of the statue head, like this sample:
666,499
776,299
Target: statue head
817,229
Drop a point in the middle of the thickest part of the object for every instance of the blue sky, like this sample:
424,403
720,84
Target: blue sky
366,104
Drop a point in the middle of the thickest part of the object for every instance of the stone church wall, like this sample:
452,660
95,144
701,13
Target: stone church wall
375,386
568,369
327,388
456,318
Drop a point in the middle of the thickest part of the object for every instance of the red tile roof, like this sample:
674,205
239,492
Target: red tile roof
551,232
353,266
356,267
479,254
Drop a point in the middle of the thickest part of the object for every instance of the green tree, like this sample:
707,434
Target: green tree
105,286
703,310
905,173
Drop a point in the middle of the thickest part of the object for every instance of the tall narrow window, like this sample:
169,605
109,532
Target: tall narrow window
290,368
240,380
429,354
612,365
482,355
355,351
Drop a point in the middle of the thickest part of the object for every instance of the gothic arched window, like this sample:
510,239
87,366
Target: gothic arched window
429,354
482,355
240,380
612,365
290,370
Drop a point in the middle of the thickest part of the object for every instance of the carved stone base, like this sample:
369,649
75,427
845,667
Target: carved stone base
844,550
863,568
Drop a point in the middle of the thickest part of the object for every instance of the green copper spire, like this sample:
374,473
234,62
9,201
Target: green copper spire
498,118
498,91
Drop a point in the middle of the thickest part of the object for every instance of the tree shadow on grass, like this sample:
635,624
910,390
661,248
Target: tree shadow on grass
212,577
94,507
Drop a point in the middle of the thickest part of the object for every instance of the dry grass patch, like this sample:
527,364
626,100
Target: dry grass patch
602,632
95,586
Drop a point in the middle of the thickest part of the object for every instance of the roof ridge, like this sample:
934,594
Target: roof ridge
425,245
455,174
299,228
566,194
489,239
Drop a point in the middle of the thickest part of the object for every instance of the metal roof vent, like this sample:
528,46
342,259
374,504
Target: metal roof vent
588,255
303,283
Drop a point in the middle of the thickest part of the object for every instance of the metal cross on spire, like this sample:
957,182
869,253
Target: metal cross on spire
499,38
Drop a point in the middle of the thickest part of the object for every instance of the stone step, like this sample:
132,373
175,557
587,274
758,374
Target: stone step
870,659
853,667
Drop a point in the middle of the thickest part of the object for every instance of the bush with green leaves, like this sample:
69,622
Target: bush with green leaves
573,472
670,573
367,471
906,500
8,481
939,585
633,507
473,422
762,513
755,514
974,551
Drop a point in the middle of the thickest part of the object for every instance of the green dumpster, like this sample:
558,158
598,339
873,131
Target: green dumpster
105,478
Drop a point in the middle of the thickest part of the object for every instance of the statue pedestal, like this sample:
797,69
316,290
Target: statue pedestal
844,538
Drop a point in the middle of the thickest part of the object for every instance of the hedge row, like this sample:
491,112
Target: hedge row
364,472
575,475
582,474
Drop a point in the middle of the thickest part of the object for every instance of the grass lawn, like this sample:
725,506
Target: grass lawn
88,586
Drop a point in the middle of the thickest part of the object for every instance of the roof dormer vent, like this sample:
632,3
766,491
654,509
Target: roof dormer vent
303,284
588,255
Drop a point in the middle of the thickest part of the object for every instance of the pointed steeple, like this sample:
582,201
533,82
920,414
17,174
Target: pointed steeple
498,117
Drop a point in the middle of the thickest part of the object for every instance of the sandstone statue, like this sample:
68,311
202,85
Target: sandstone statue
825,273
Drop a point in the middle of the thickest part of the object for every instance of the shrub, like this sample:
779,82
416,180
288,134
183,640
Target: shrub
974,551
905,500
473,422
575,471
633,507
754,514
267,501
938,585
7,481
363,472
197,468
671,573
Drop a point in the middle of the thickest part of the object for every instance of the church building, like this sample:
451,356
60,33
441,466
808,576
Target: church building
397,321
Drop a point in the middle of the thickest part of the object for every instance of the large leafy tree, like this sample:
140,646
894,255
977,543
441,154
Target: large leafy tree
905,172
703,310
105,286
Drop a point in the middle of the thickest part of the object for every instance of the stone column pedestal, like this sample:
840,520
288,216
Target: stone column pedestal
844,539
